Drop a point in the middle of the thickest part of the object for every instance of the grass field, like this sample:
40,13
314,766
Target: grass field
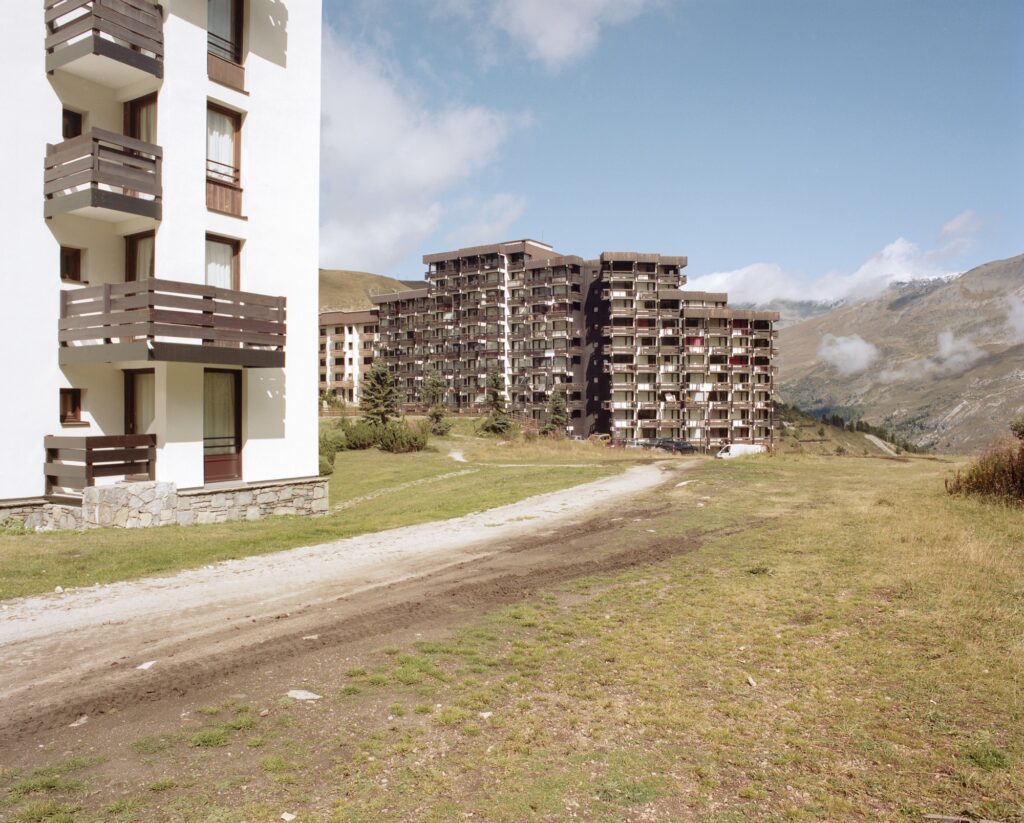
844,643
369,491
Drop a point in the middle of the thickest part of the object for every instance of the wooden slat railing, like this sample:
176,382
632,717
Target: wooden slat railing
169,311
137,24
101,158
73,463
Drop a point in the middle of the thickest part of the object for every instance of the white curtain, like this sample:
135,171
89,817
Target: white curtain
220,264
220,146
147,122
144,400
144,249
219,404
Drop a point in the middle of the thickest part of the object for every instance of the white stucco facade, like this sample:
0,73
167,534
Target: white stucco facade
276,236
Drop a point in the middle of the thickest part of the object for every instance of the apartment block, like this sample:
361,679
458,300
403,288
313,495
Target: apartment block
347,343
635,355
161,257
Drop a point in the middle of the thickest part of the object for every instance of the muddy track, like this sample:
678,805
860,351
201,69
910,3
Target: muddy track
430,601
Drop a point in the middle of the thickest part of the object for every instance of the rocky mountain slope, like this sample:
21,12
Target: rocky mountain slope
940,362
343,289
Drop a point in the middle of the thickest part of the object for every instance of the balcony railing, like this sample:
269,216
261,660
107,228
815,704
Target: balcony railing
73,463
104,170
164,320
128,32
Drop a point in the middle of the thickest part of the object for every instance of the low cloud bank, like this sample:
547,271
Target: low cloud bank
847,355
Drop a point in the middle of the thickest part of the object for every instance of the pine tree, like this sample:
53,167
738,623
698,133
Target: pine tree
558,414
381,399
434,388
498,421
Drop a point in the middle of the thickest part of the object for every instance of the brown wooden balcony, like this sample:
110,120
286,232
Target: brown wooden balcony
163,320
103,175
111,42
73,463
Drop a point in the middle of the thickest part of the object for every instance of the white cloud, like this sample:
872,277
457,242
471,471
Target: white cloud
388,159
553,32
954,356
847,355
486,221
1015,318
900,261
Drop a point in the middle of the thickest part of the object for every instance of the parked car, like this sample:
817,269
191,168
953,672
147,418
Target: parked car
669,445
739,450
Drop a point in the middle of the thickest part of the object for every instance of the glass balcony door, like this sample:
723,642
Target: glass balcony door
222,425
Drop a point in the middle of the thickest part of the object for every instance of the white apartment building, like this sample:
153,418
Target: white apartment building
347,343
160,222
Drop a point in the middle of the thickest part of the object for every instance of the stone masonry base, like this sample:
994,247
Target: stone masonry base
141,505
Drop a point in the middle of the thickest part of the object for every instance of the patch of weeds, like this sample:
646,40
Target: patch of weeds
165,784
46,811
987,757
10,527
209,711
408,675
275,764
43,782
628,793
396,709
759,570
209,738
125,805
257,742
423,708
152,745
377,679
355,671
391,650
451,716
348,690
243,722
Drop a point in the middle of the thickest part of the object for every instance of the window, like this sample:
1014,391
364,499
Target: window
222,268
223,147
70,405
71,264
139,256
72,124
224,29
140,118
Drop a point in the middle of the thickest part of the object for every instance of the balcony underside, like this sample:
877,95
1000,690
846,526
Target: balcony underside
160,352
105,62
99,204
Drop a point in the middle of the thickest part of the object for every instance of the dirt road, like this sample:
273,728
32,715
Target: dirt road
102,649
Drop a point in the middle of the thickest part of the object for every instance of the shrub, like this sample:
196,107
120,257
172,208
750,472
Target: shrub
9,526
498,423
398,437
326,466
998,473
1017,426
361,435
440,423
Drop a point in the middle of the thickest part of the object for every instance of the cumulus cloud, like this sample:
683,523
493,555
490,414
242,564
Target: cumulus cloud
898,262
389,158
486,220
554,32
847,355
954,356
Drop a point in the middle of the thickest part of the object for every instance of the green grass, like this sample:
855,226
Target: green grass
37,563
842,644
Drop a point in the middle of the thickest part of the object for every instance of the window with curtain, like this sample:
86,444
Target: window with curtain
224,29
140,256
222,150
221,257
142,386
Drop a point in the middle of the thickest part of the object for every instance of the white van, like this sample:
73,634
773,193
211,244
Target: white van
739,450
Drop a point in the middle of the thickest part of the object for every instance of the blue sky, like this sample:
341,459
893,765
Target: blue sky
790,148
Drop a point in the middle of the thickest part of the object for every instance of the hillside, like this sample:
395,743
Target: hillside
940,362
802,434
341,289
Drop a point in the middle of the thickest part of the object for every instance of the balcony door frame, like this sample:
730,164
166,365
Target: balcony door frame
220,468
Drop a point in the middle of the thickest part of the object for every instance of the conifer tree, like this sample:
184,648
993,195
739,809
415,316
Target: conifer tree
381,400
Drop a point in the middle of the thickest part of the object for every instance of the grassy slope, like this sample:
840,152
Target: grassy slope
36,563
845,645
802,434
341,289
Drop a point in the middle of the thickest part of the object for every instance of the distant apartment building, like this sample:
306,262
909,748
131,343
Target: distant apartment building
160,274
635,355
347,343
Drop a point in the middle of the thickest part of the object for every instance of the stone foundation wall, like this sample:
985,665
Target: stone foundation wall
141,505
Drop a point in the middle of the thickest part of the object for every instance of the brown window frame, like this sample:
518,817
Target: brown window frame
236,172
70,406
131,114
237,49
236,265
130,241
70,264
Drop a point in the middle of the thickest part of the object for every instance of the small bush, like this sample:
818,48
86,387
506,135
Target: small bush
1017,426
10,526
398,437
440,423
998,473
326,466
359,436
496,423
